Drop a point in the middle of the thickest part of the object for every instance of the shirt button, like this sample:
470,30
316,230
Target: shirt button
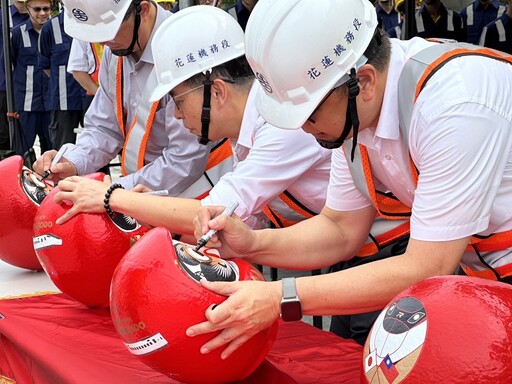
387,157
134,105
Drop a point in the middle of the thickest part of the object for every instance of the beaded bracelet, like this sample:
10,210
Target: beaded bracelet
106,200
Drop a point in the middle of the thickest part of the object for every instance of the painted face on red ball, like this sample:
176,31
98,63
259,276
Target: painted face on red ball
35,188
395,341
205,264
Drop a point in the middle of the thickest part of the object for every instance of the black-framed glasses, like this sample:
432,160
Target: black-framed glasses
310,118
39,9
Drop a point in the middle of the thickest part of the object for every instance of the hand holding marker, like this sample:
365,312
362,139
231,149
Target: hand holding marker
55,160
208,235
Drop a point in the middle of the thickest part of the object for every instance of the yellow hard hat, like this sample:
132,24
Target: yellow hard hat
399,6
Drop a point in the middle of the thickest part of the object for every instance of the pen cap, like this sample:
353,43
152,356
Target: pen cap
156,296
22,192
80,255
448,329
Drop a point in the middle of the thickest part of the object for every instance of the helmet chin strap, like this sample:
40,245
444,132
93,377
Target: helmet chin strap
135,38
205,113
351,119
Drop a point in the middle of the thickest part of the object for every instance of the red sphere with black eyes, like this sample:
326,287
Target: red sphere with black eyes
156,296
22,191
454,329
80,256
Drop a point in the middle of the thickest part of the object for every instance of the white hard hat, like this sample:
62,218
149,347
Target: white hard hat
301,49
194,40
94,20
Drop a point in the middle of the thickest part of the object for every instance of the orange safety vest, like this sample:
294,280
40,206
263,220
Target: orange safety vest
278,220
418,70
133,154
97,51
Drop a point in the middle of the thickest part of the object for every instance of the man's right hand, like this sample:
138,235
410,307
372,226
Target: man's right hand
234,238
64,168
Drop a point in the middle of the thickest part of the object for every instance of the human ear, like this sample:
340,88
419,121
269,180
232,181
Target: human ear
367,76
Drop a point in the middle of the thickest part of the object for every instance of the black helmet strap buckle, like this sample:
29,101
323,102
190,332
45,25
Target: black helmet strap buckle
205,113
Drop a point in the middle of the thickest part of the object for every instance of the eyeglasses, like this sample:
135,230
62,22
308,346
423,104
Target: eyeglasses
39,9
179,102
310,118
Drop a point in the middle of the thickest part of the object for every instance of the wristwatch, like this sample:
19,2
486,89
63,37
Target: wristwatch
291,309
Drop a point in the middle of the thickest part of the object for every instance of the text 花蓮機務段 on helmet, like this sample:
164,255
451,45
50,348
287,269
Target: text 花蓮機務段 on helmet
301,49
202,37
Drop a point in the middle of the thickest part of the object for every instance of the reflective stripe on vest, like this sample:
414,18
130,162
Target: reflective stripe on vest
62,73
418,70
97,51
469,13
136,137
29,72
220,161
392,219
420,26
279,220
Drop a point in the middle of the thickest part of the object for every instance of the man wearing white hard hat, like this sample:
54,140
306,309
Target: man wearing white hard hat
421,137
156,151
283,174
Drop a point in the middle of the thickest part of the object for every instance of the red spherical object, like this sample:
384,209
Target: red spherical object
156,296
22,192
80,256
450,329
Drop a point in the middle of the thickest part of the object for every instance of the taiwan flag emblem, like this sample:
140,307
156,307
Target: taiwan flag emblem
388,369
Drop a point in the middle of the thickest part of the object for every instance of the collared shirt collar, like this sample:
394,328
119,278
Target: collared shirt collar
251,118
388,124
161,16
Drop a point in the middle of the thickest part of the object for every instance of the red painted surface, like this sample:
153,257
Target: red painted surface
91,247
17,211
154,300
464,335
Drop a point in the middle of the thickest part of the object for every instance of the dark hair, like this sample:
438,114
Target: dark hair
378,54
236,71
381,53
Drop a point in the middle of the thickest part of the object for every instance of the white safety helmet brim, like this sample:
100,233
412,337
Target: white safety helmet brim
84,20
199,28
283,115
300,49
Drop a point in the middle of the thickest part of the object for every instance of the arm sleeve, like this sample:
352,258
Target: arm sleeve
277,159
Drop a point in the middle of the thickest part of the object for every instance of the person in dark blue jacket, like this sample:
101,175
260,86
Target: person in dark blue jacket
241,11
498,34
478,14
66,96
387,15
434,20
18,14
30,83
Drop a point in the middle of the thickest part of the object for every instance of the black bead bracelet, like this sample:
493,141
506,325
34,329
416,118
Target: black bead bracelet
106,200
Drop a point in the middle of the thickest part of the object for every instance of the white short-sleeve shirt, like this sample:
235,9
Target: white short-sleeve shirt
269,160
460,141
